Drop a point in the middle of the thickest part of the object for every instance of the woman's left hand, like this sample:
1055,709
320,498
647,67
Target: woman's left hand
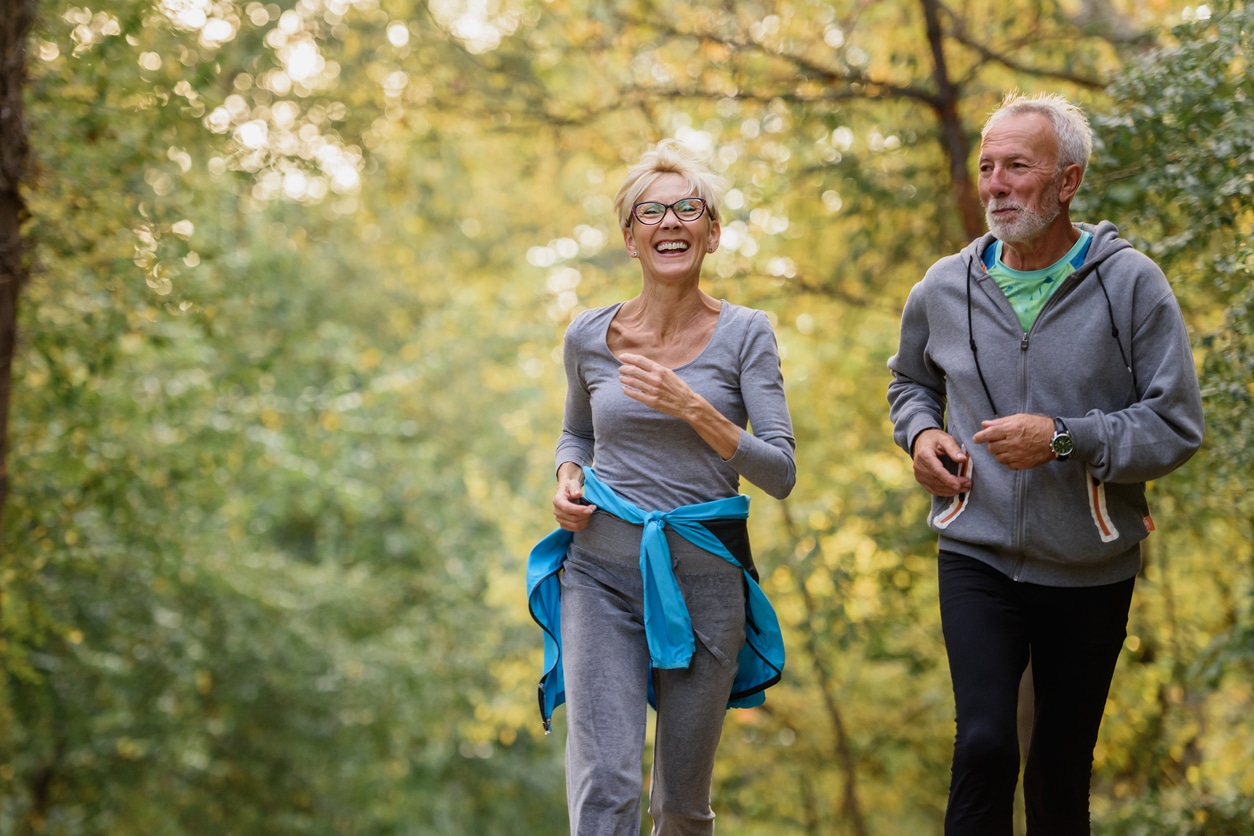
656,386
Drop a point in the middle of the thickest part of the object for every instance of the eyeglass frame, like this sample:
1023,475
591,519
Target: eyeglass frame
670,207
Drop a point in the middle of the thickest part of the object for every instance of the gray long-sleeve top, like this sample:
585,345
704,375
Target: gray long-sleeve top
657,461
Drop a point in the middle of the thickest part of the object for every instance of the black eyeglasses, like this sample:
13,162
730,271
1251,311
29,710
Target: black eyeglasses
651,212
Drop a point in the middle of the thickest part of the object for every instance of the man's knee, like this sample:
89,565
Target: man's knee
987,749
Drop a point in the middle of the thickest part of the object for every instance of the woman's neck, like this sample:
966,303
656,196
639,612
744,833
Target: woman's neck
664,312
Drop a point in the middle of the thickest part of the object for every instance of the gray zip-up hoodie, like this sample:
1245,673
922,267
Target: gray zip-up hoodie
1072,523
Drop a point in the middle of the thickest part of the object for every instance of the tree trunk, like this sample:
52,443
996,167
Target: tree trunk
953,136
15,21
851,807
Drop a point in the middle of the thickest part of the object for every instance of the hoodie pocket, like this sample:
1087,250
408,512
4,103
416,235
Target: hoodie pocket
1097,507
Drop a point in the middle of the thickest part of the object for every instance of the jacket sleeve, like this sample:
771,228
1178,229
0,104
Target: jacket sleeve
1158,433
916,394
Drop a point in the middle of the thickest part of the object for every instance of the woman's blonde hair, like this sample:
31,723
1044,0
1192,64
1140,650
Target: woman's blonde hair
670,156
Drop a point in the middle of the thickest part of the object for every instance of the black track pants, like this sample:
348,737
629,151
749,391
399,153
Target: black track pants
1072,635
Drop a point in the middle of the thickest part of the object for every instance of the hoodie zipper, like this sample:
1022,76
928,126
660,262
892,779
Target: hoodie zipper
1021,486
1021,477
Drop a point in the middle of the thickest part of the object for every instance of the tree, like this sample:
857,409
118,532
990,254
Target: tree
288,392
1173,161
15,21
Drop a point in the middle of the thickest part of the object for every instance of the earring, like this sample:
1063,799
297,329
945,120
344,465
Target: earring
634,254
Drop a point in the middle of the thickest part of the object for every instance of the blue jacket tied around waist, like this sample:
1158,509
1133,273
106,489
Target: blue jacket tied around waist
666,623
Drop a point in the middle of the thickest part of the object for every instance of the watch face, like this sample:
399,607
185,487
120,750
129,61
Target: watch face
1062,445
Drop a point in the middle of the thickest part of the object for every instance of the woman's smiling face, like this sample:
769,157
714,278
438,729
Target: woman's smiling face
672,247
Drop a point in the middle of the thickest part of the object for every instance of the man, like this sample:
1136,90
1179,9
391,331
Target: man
1043,376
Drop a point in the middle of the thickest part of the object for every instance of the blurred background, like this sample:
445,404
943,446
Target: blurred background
287,383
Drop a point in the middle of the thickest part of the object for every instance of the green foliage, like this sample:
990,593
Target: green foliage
243,581
1176,161
289,388
1174,168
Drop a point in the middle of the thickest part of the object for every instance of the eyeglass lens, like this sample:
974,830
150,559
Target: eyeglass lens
652,212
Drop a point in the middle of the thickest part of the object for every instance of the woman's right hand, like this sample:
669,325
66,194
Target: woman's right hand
570,509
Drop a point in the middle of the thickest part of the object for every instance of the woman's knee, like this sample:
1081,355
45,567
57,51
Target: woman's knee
672,817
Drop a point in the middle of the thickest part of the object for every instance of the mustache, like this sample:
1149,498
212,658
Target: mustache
997,204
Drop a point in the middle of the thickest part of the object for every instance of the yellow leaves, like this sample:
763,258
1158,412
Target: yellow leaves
714,52
518,425
862,600
399,326
79,92
130,749
820,585
478,485
850,541
781,577
893,470
818,520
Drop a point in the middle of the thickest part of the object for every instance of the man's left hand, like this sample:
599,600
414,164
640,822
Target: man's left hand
1018,441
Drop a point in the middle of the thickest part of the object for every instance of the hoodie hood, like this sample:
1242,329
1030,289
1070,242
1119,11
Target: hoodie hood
1106,243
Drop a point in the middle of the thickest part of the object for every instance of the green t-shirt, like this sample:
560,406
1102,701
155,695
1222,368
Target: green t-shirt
1029,290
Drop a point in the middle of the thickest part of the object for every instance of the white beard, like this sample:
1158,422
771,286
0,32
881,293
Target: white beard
1028,223
1024,226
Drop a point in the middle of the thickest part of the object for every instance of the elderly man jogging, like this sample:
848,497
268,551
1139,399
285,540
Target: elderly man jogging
1043,376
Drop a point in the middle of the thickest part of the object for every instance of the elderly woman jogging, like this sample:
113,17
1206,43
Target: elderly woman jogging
659,602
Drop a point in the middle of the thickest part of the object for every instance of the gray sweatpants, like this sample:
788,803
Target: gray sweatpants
605,660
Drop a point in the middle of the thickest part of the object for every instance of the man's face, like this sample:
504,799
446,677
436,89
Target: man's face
1019,178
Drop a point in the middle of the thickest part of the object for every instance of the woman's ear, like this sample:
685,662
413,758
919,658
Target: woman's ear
716,234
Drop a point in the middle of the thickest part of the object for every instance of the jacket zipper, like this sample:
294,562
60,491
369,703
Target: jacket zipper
1021,477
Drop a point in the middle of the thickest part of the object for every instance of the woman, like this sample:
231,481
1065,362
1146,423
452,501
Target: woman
657,575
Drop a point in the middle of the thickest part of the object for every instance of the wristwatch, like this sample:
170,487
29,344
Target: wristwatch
1061,443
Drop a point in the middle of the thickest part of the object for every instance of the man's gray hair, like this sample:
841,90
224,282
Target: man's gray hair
1075,137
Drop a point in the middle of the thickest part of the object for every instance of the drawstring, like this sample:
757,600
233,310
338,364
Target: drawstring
1114,329
975,353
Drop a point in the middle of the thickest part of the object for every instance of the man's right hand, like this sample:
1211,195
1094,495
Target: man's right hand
930,448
